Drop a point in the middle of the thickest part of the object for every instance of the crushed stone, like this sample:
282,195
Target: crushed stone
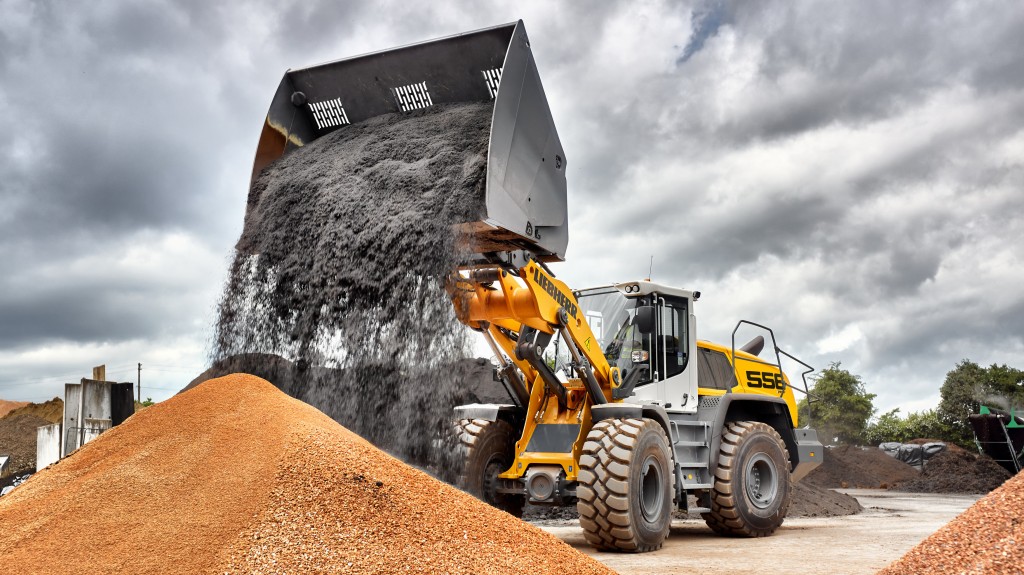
234,476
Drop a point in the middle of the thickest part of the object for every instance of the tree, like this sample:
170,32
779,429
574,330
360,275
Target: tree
967,387
918,425
841,406
888,427
1004,387
959,395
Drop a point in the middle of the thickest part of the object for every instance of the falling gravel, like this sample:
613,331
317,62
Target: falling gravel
340,270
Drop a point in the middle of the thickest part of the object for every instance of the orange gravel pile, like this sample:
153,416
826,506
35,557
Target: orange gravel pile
987,538
235,476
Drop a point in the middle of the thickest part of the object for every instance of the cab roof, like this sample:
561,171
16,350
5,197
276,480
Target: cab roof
643,287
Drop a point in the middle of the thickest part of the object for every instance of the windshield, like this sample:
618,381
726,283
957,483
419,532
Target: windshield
612,319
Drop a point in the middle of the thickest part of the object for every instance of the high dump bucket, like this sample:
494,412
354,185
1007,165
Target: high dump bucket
525,181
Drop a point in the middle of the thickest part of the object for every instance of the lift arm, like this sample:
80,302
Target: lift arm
521,311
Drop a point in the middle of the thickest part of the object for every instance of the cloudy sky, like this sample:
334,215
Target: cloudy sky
850,173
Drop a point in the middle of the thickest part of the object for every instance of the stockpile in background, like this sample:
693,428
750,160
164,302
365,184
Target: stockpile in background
52,411
235,476
18,439
848,466
958,471
7,406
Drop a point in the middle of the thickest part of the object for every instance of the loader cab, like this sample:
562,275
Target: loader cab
646,330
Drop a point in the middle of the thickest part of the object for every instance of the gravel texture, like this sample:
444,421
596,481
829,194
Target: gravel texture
234,476
987,538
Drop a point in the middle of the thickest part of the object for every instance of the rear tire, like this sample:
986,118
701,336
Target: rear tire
626,485
752,483
490,446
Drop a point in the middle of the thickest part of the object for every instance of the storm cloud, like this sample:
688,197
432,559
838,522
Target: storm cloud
848,173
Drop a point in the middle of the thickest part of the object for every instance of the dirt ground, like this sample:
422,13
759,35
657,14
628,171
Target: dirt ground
890,525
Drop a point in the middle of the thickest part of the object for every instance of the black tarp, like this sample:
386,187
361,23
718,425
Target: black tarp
912,453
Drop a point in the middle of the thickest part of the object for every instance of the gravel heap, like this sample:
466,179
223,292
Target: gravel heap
986,538
848,466
234,476
811,500
340,269
18,439
52,411
958,471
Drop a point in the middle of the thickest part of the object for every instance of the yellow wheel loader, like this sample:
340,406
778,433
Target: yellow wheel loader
640,418
643,419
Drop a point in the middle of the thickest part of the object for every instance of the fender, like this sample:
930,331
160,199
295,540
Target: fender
805,451
633,411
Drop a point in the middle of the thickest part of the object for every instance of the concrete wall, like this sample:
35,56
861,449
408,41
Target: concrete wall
72,418
95,399
48,444
95,408
93,428
88,410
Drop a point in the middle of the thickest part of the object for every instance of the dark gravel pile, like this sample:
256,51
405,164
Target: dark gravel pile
849,466
18,439
340,269
809,500
957,472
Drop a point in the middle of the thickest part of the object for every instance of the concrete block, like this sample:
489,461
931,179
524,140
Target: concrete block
48,444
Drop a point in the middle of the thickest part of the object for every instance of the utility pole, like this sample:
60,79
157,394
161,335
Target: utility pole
139,380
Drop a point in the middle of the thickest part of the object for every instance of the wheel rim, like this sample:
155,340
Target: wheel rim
495,465
762,481
652,493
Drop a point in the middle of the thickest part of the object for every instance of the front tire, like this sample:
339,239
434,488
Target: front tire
752,483
626,485
490,446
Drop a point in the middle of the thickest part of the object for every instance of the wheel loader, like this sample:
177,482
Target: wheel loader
641,418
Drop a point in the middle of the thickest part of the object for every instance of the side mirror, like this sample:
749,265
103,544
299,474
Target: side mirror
644,320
